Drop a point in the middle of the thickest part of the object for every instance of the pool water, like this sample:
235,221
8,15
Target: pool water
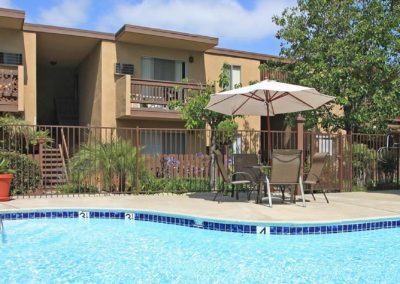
122,251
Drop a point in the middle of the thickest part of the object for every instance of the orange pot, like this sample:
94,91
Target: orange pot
5,182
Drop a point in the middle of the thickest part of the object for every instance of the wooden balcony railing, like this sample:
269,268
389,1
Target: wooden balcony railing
8,88
152,94
277,75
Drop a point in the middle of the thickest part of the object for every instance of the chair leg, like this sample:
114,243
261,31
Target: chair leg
312,191
269,194
223,191
326,198
215,196
302,191
249,192
237,193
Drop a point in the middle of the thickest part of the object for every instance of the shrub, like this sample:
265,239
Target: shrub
363,160
151,184
111,165
28,174
388,163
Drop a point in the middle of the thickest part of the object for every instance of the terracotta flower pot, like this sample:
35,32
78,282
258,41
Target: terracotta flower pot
5,182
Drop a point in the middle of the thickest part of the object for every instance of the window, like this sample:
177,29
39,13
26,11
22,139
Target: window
160,142
234,74
325,144
10,58
163,69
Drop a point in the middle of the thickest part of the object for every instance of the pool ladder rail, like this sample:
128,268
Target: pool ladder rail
1,225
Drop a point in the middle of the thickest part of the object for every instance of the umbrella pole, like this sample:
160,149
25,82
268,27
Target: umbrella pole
269,136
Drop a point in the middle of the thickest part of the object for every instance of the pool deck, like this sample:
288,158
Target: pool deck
342,206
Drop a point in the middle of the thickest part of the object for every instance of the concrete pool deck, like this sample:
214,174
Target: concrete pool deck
342,206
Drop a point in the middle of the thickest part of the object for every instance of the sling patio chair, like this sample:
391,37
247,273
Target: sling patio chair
231,181
285,173
313,177
245,163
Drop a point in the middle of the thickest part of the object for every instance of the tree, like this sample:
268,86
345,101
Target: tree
349,49
196,116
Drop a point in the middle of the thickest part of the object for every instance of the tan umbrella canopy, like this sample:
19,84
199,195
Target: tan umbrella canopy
267,98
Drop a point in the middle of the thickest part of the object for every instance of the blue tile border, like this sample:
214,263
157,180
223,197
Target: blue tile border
222,226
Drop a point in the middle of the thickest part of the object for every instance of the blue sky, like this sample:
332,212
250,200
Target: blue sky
239,24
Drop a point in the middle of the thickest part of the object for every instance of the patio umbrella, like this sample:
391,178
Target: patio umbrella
267,98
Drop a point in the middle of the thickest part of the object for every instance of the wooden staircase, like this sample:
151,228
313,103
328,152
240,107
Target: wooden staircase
53,167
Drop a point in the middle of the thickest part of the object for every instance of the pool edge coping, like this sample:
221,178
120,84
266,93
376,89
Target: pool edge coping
205,218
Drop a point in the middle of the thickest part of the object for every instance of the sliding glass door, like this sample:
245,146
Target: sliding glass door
163,69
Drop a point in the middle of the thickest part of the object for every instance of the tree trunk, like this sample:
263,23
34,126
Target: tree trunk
213,146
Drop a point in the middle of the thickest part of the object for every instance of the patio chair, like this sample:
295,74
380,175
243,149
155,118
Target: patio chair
285,173
230,180
244,163
313,176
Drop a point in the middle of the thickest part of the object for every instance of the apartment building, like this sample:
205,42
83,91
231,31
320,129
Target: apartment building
63,76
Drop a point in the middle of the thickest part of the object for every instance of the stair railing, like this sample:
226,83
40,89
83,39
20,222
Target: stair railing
64,153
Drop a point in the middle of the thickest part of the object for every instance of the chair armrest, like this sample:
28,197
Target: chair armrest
307,174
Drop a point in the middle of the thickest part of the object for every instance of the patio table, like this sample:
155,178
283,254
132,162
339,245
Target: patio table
260,178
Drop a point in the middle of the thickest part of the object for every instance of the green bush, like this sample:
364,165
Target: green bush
363,160
28,174
112,164
388,163
151,184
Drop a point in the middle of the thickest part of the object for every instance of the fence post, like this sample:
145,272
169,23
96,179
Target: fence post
350,135
41,143
340,161
300,143
137,158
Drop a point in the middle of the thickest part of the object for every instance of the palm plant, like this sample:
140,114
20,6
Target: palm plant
19,134
112,164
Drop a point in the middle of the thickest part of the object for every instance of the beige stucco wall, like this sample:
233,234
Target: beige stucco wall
249,72
108,84
123,95
129,53
89,74
132,54
194,140
15,41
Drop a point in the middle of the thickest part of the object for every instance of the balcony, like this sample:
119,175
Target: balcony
148,99
11,88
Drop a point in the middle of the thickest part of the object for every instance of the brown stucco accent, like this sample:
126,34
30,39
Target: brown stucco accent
11,19
11,13
165,33
164,38
67,31
244,54
153,114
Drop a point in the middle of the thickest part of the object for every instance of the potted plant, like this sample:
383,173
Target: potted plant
6,176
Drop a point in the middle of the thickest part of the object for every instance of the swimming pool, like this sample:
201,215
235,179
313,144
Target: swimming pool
118,250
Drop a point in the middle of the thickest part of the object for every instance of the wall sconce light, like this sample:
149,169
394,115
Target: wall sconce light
191,59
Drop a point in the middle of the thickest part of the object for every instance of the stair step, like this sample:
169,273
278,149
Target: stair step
51,155
54,182
52,159
52,165
50,150
53,175
53,170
